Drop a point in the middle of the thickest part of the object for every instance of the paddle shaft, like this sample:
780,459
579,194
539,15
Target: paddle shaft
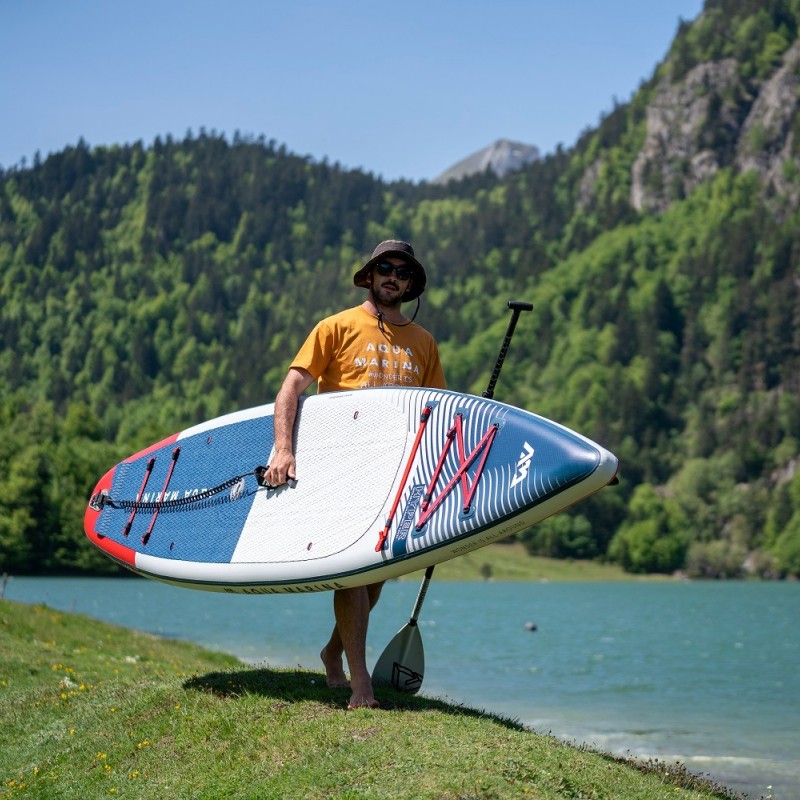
402,662
517,307
423,590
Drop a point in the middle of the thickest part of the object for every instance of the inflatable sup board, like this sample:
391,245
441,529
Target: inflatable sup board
389,481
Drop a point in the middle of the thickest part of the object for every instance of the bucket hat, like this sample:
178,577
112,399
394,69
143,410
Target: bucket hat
394,248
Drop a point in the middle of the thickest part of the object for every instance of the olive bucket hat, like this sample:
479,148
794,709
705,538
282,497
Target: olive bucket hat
393,248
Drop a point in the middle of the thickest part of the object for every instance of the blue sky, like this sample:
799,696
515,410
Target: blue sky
402,90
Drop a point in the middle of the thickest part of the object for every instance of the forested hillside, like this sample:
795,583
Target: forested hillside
144,288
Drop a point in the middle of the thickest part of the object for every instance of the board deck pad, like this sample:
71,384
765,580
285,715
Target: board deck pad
389,481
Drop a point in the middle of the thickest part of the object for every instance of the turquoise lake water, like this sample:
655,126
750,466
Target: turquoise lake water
707,674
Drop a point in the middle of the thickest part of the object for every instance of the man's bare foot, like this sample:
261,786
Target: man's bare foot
363,699
362,696
334,670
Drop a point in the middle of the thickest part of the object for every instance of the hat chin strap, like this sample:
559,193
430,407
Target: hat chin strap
381,314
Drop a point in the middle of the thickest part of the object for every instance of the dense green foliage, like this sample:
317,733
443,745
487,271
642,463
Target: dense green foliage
146,288
754,32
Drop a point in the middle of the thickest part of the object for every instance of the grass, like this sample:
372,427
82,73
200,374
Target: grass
89,710
511,562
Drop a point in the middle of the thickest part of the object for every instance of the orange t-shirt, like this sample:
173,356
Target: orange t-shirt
349,351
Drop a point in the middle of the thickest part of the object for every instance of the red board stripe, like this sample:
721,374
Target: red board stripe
164,443
117,551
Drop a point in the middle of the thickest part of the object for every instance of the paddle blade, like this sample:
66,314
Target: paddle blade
402,663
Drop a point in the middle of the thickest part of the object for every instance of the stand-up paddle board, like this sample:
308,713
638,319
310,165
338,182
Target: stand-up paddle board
389,481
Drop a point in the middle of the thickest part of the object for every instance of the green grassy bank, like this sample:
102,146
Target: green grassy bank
511,562
89,710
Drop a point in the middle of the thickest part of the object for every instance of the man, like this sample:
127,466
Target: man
367,346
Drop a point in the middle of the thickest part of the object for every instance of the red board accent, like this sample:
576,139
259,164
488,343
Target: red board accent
164,443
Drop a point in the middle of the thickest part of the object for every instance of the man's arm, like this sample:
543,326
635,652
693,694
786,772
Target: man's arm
283,464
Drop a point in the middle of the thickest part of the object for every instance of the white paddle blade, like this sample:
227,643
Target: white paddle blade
402,663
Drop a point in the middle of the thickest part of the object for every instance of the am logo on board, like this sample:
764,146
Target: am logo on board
523,465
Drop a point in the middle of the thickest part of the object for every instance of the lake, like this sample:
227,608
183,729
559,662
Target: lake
704,673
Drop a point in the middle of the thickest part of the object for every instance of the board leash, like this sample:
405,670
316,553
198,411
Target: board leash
102,499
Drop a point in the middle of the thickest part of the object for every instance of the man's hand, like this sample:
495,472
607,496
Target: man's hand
281,468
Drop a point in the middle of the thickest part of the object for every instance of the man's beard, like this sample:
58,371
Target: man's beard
389,299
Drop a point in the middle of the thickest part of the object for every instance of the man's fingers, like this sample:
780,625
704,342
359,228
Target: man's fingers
281,470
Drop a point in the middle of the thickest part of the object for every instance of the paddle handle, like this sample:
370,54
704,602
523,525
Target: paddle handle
517,307
423,590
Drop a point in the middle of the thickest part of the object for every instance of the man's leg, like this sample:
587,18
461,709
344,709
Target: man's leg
351,608
331,656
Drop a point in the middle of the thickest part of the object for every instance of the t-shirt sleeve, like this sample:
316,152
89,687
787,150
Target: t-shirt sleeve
316,352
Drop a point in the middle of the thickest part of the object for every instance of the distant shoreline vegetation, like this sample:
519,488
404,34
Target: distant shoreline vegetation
496,562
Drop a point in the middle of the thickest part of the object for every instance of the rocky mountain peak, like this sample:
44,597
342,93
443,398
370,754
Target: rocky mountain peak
502,157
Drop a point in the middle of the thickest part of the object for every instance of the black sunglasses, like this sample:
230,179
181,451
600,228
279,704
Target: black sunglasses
385,269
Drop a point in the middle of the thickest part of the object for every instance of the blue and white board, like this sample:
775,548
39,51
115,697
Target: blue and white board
389,481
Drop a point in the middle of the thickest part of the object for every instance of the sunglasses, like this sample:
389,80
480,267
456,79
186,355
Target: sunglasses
385,269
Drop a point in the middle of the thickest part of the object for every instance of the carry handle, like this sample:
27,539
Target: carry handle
261,472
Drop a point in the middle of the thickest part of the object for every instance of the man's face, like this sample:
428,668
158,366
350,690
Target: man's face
389,288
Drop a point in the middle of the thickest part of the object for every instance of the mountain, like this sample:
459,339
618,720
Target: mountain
501,157
713,117
143,289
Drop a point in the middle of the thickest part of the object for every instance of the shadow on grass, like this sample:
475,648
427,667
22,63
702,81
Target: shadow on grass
304,686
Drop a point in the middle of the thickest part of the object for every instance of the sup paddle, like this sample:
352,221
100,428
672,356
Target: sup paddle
402,663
